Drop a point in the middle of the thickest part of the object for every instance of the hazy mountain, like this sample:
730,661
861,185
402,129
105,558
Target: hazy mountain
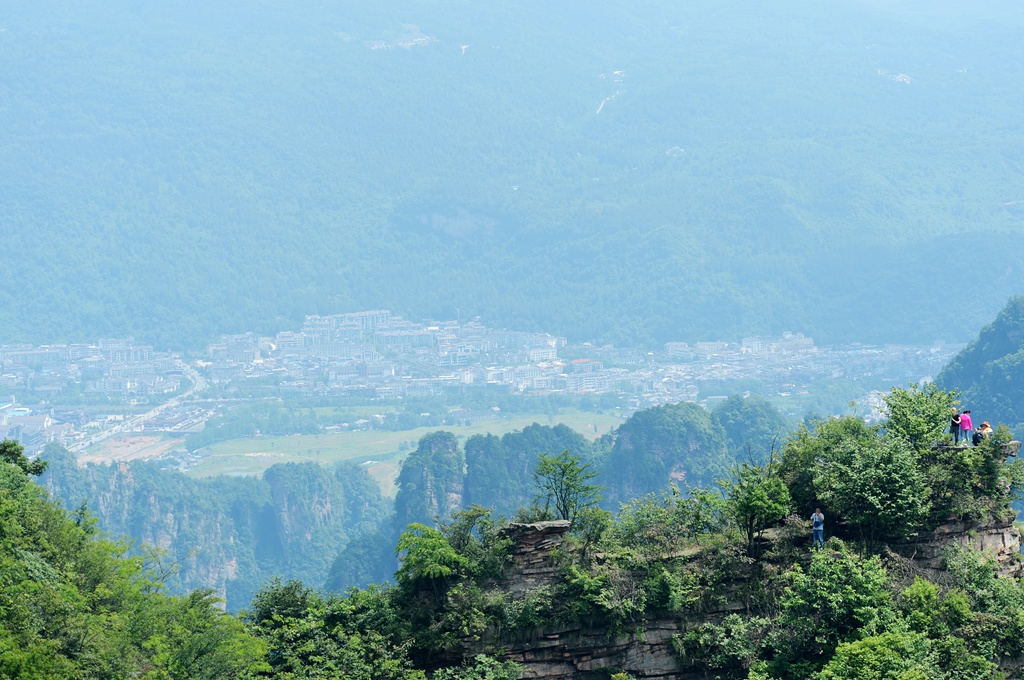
641,172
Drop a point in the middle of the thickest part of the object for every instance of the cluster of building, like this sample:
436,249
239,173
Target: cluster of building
30,428
117,368
378,355
375,354
785,366
112,366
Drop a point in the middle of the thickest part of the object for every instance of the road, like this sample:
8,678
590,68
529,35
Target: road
137,422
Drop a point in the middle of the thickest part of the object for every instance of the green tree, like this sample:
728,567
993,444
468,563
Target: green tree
876,488
358,636
841,594
756,499
475,535
888,656
920,415
427,557
869,484
563,484
807,450
14,453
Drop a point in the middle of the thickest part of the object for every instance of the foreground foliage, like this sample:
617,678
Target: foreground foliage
73,605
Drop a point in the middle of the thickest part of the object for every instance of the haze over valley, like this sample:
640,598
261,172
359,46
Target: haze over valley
639,175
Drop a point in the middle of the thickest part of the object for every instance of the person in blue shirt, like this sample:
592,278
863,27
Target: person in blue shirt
818,527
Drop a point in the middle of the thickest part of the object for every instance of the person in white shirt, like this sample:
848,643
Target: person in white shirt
818,527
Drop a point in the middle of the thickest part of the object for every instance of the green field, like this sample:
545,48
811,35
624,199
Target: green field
380,451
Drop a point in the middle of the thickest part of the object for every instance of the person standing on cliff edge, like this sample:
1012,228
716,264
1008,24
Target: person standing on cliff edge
965,427
818,527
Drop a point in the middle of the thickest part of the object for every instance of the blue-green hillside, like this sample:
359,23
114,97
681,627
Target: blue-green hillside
642,172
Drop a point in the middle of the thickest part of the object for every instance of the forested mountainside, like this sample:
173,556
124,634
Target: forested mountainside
643,173
227,534
989,372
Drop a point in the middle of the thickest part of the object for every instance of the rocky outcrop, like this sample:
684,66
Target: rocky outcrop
579,651
1009,449
1000,540
533,553
430,483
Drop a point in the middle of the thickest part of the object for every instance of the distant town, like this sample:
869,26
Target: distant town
80,394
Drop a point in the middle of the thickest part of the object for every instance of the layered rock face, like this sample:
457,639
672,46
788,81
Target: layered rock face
532,564
580,652
1001,541
575,651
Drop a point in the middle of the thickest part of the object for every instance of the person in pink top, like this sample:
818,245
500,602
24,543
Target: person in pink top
965,427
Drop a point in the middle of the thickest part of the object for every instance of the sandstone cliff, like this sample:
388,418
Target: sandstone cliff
580,651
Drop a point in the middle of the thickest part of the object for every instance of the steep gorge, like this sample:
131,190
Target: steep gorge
228,534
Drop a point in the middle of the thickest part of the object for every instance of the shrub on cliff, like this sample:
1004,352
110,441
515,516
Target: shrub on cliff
756,499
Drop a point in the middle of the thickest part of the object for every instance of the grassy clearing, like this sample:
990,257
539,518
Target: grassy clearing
360,411
380,451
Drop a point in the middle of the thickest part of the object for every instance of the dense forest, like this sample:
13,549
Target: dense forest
644,173
730,565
